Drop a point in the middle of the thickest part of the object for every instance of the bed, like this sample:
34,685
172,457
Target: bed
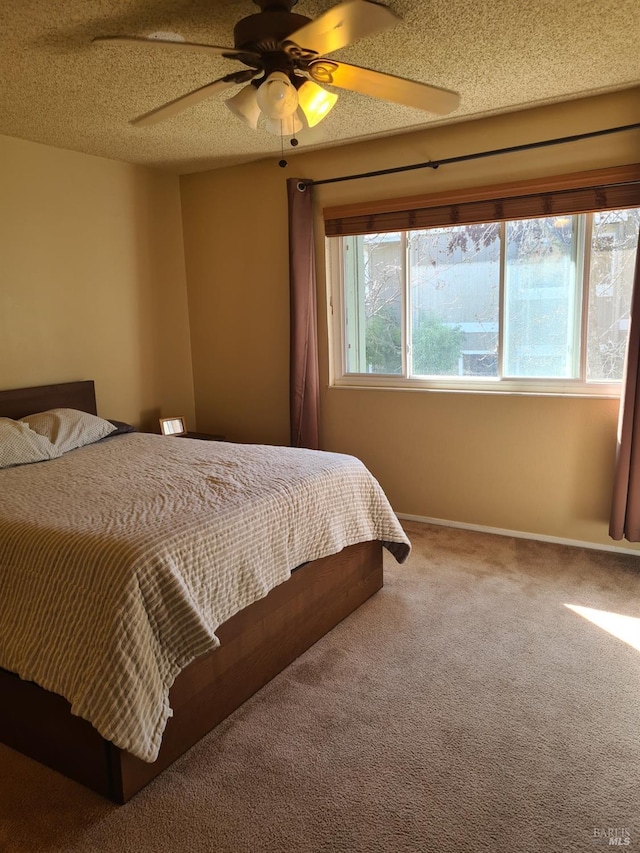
192,650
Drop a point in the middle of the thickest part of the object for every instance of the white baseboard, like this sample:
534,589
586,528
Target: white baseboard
519,534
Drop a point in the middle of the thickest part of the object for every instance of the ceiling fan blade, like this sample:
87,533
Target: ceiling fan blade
230,52
398,90
191,98
342,25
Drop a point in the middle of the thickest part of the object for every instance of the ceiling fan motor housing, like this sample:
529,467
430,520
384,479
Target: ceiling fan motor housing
266,30
266,5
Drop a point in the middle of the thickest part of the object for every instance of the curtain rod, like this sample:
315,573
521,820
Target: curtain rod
434,164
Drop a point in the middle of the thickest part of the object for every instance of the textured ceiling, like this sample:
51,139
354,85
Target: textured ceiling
500,55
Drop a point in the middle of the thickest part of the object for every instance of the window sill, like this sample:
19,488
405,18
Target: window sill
532,387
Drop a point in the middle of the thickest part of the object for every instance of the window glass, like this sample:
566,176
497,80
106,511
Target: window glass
613,251
373,295
540,298
455,285
515,303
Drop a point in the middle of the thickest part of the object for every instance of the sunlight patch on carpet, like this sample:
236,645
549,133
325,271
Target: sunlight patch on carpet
625,628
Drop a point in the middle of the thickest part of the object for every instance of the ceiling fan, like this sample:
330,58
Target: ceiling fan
285,54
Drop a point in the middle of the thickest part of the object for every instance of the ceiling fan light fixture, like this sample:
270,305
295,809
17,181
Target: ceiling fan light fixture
245,105
287,126
315,102
277,96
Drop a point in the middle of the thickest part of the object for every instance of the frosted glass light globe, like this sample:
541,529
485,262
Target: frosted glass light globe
277,96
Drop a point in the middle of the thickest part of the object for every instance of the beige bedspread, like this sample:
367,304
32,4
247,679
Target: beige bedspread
118,561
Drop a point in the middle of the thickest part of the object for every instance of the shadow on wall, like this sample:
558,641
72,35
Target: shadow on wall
593,451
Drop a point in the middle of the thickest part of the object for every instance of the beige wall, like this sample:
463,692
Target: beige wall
235,235
540,465
92,281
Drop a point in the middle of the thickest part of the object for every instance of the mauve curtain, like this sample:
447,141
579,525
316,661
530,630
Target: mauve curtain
625,508
304,382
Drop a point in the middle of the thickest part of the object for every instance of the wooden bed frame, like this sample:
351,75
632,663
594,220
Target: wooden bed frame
255,645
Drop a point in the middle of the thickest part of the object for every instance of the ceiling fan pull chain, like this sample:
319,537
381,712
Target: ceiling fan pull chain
282,163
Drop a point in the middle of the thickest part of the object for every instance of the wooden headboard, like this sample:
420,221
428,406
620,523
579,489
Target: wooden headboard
19,402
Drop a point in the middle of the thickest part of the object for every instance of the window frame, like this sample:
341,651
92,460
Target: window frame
338,376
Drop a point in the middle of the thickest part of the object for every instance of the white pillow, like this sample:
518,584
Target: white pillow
20,445
67,429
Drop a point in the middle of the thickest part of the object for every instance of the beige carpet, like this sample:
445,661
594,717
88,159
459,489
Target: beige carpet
464,708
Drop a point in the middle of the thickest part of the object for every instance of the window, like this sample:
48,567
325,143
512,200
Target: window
538,303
